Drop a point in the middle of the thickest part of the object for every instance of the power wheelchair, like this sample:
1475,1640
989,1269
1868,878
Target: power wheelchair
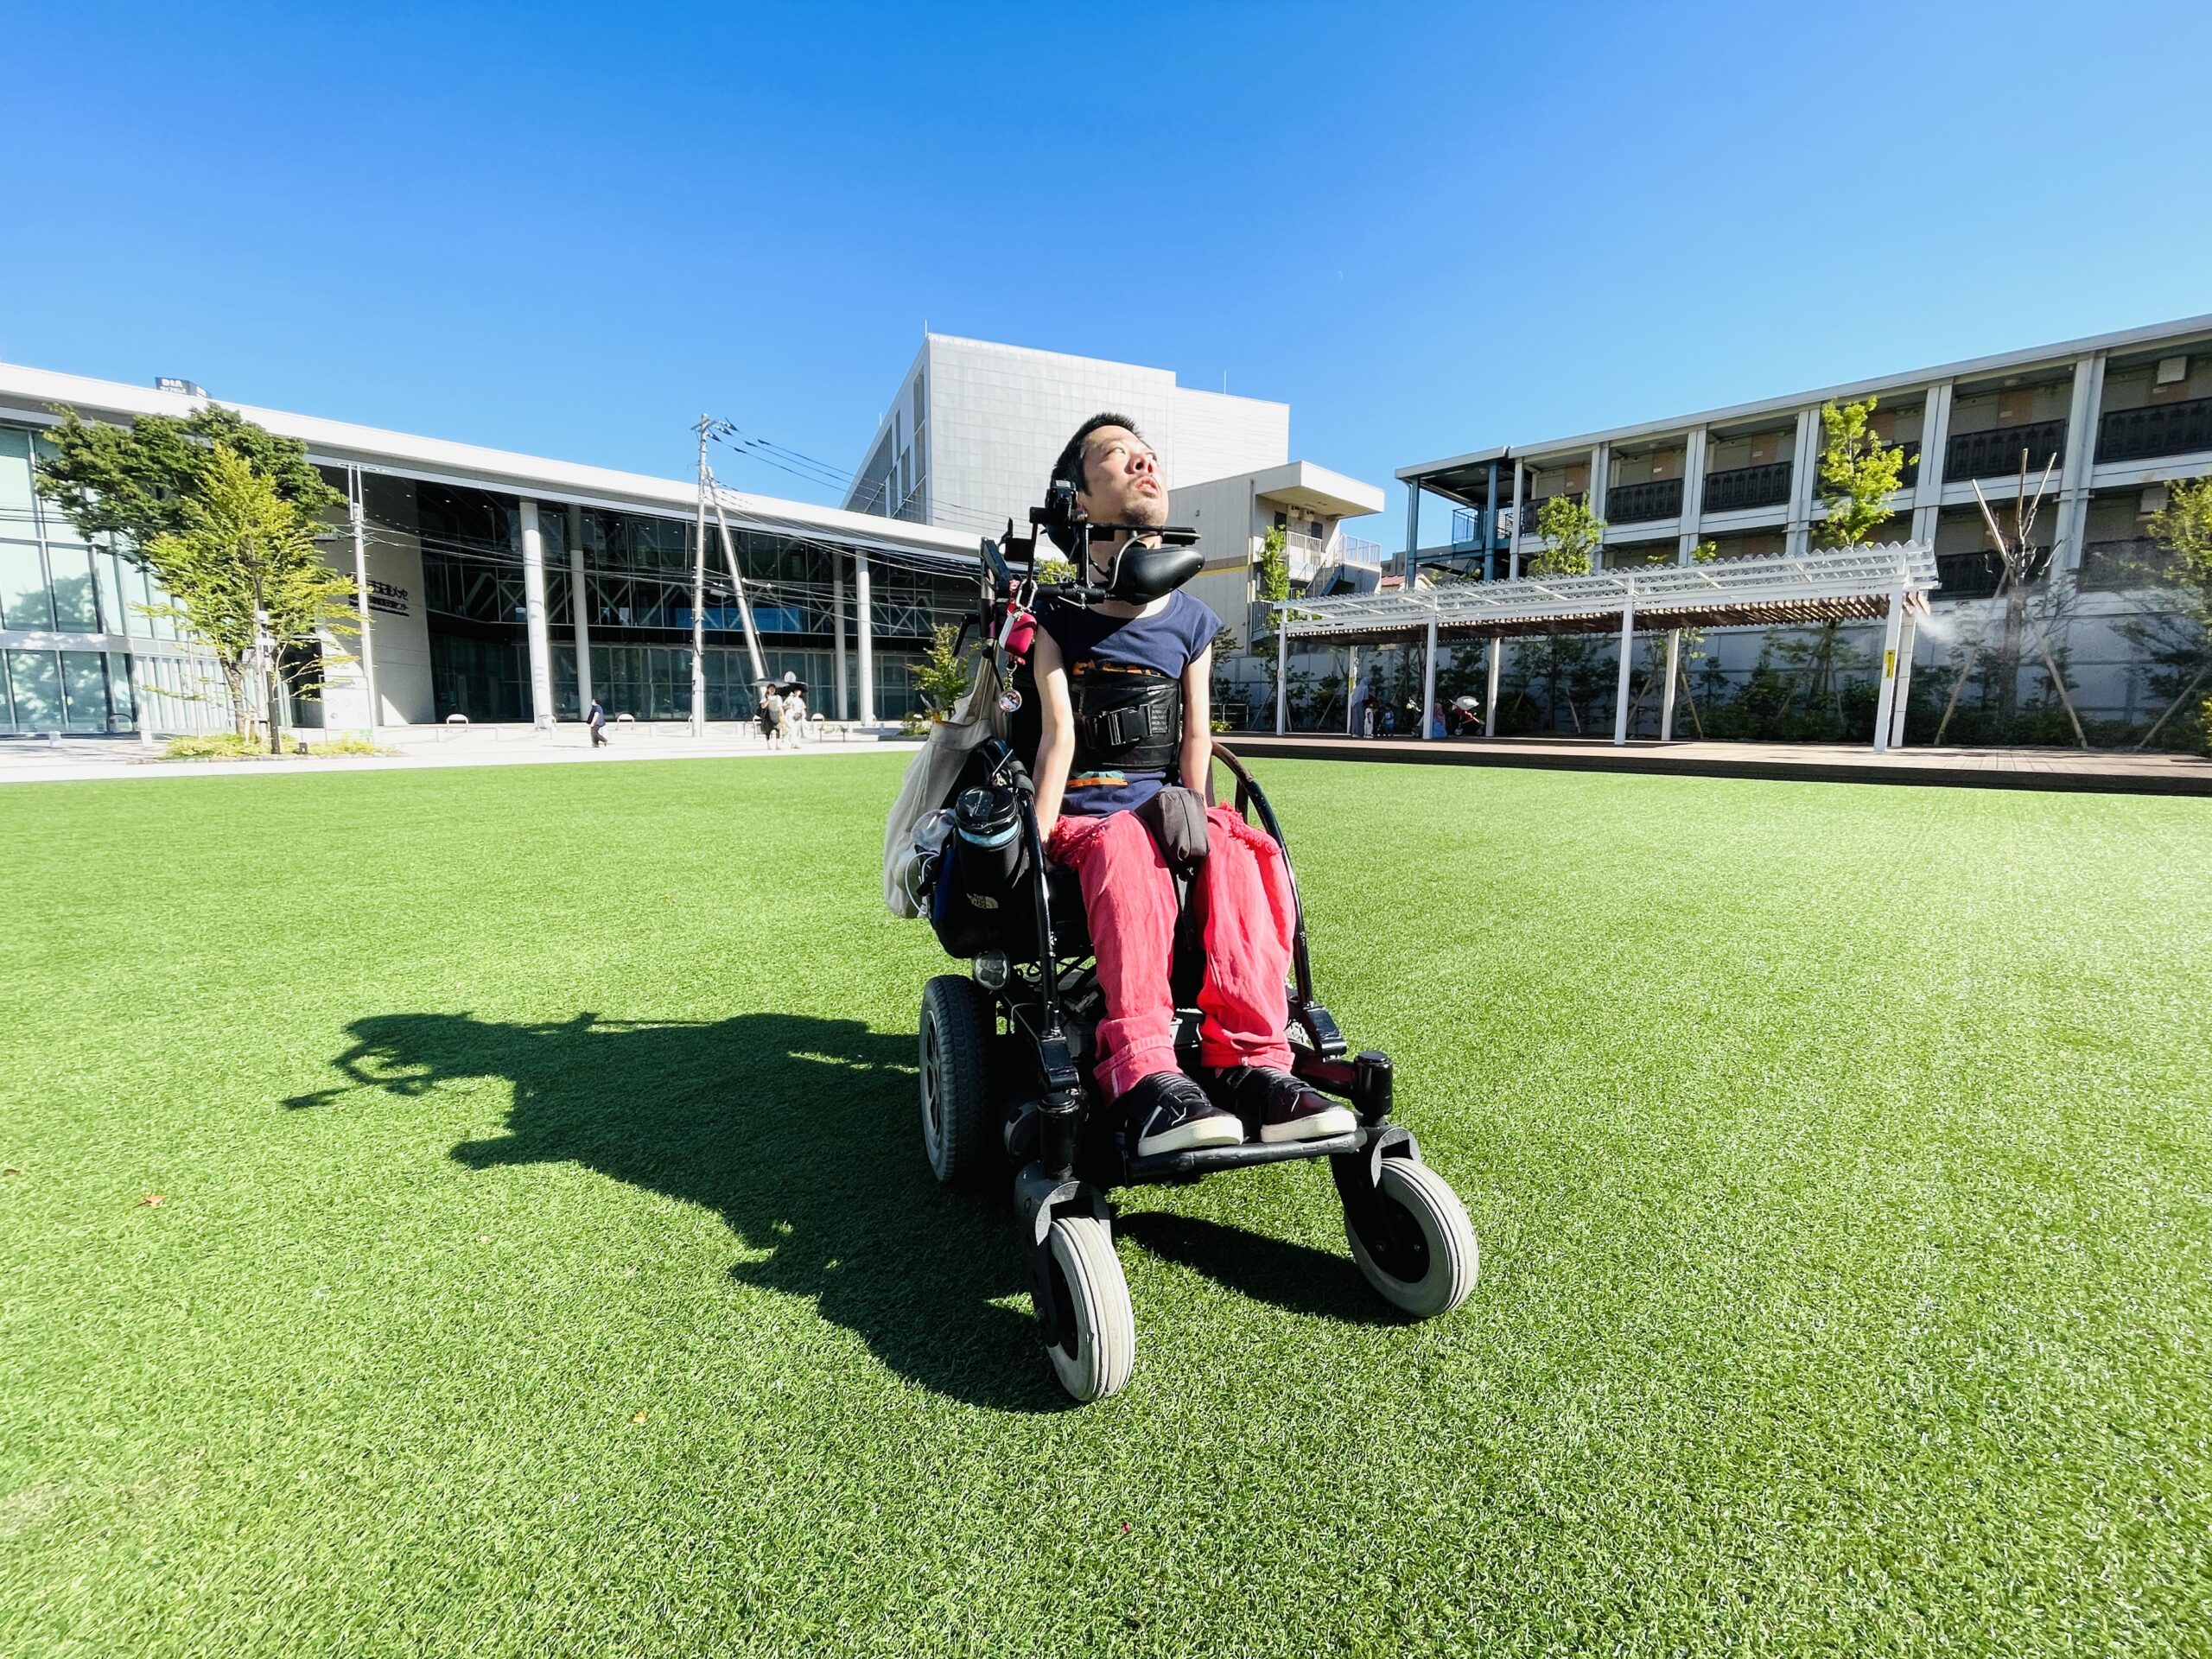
1007,1050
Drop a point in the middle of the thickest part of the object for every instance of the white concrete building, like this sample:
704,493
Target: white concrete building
1308,504
500,587
969,442
2120,414
1233,515
970,436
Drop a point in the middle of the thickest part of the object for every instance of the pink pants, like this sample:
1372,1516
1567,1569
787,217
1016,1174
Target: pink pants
1244,906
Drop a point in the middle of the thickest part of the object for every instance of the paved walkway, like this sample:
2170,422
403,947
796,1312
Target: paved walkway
2122,772
40,760
26,760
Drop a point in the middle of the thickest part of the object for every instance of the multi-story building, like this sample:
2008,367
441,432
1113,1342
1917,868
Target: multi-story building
971,437
1308,504
2112,421
500,587
969,442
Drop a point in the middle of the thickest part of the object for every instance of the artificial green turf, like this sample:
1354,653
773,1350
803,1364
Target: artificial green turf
1839,1157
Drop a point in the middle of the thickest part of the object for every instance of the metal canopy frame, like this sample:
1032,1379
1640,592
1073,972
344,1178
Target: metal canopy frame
1889,582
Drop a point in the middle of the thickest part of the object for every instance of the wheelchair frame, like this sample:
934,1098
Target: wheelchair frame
1056,1132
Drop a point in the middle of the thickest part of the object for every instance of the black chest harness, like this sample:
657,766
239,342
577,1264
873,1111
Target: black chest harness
1126,719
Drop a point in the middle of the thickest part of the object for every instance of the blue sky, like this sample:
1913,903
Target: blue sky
569,230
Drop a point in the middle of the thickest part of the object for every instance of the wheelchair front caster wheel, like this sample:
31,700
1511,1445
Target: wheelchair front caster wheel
1099,1334
1422,1260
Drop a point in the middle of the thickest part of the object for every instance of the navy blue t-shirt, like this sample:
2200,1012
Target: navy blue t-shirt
1167,643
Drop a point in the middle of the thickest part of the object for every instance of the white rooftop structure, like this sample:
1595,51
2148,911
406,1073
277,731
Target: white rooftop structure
969,438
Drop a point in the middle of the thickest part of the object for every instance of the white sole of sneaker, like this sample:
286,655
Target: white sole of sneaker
1338,1120
1206,1132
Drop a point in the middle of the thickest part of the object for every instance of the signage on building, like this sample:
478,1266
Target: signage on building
391,601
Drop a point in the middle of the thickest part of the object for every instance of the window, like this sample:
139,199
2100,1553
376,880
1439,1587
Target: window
76,601
37,687
114,618
139,588
16,513
123,713
24,601
84,688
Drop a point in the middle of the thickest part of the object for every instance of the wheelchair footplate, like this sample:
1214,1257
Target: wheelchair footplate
1194,1161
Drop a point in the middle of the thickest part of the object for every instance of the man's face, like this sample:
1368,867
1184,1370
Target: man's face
1122,482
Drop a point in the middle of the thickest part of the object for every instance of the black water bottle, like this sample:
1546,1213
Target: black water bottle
989,825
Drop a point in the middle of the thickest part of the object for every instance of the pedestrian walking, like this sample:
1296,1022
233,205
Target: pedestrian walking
772,716
597,720
795,713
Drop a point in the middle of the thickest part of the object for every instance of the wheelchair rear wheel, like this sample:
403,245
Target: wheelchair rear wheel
1423,1261
957,1025
1098,1343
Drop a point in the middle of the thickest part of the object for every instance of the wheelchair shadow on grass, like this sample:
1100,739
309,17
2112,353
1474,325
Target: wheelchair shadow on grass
1296,1278
798,1132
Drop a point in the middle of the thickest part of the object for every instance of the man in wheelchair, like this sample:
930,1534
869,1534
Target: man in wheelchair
1121,775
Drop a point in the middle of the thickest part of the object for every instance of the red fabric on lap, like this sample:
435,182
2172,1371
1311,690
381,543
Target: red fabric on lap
1245,908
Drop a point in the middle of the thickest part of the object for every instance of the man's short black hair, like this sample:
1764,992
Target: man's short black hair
1070,464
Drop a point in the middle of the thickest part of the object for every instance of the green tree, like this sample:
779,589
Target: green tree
942,677
1858,473
246,580
1224,685
1273,564
1053,571
235,504
1572,533
1272,567
135,481
2183,527
1693,653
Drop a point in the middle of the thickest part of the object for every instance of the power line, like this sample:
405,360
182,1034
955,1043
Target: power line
759,448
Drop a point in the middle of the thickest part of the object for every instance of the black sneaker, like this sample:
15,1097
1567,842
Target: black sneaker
1172,1114
1284,1108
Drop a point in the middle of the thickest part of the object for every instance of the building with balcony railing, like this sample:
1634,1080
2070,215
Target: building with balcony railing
2105,423
1308,504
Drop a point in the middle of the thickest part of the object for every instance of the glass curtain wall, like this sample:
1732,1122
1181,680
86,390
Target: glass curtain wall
473,595
52,582
637,605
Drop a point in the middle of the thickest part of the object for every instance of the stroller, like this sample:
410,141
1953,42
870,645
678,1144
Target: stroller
1007,1049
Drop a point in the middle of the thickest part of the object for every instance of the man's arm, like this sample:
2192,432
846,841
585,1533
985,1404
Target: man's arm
1198,722
1055,748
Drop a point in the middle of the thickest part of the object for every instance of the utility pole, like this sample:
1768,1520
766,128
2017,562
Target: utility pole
737,584
699,593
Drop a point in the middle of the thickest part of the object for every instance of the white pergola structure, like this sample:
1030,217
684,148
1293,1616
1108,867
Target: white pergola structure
1858,584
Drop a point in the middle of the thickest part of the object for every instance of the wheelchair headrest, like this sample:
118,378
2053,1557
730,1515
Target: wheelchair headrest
1141,574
